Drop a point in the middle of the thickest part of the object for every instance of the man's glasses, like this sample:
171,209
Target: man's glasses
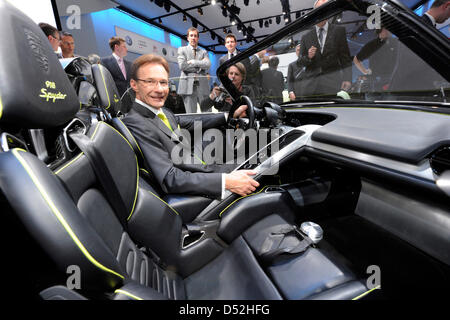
151,83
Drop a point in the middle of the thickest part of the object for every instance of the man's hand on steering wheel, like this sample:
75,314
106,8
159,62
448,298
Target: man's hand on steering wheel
241,112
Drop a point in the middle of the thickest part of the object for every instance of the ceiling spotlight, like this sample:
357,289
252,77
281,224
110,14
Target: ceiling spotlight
213,35
235,9
258,2
250,29
213,2
184,18
167,6
278,19
233,22
194,23
160,20
246,2
159,3
261,23
200,11
297,15
270,21
266,24
224,30
224,12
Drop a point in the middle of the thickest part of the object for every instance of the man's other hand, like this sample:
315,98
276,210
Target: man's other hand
240,182
240,112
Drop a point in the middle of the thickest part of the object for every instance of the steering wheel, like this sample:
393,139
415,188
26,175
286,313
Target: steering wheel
235,142
240,123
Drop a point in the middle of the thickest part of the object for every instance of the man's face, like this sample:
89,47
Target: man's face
54,40
193,38
121,49
318,4
153,95
297,50
230,44
67,46
444,13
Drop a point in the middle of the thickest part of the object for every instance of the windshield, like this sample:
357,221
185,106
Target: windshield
361,53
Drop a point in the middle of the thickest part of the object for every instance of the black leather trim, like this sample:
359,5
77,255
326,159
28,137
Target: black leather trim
106,88
186,205
135,291
52,218
247,211
234,275
60,293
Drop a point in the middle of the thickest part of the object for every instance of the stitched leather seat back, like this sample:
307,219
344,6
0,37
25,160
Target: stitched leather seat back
34,89
51,216
109,97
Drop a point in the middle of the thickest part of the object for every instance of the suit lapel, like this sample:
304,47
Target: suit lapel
115,65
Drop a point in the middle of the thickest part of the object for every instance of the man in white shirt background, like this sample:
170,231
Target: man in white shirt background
116,64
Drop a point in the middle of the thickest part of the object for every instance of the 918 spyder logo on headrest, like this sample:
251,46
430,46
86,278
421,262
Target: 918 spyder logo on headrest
51,95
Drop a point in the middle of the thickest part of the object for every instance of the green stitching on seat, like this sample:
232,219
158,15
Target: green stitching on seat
59,216
170,207
251,194
106,89
128,294
366,293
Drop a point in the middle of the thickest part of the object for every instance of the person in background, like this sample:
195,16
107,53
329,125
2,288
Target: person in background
53,36
294,76
67,45
116,64
325,54
273,81
174,101
439,12
194,65
382,55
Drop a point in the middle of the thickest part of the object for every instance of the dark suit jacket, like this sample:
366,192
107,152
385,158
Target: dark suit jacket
325,72
427,20
272,84
294,76
156,142
111,64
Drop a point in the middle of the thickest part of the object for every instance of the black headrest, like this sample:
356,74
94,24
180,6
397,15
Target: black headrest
34,89
108,95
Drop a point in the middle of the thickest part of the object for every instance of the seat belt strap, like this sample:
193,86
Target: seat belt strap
103,175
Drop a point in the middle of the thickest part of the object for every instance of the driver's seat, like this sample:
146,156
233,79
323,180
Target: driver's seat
188,206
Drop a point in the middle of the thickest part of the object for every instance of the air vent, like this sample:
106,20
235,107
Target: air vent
440,160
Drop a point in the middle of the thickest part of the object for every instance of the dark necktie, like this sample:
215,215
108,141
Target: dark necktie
195,52
321,30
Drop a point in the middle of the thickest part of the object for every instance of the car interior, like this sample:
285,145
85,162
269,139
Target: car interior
75,191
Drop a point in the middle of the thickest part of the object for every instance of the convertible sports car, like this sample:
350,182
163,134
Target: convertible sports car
354,187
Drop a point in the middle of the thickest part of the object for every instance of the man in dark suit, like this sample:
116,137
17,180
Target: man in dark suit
117,65
273,81
294,76
154,128
438,13
252,64
325,54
